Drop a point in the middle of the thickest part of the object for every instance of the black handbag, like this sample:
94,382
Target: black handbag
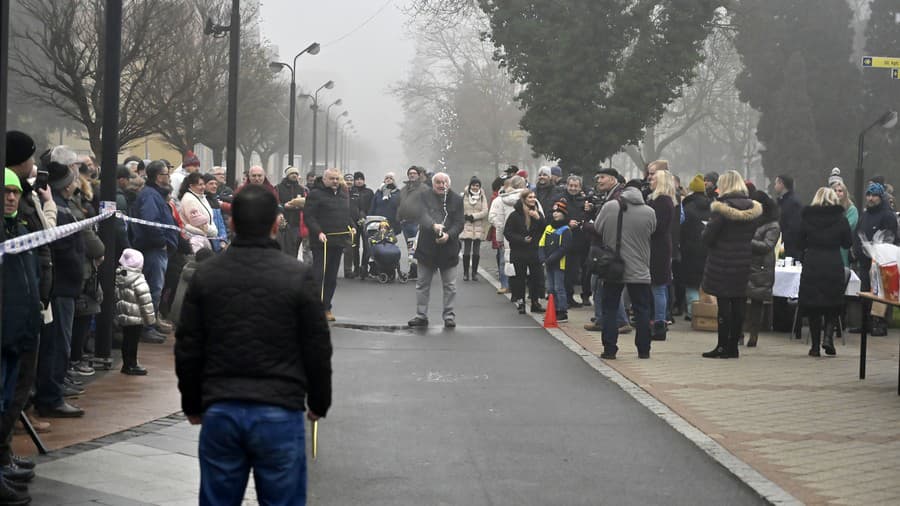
606,263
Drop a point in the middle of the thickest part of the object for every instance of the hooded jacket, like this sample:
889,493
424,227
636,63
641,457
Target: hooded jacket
727,236
134,306
762,267
638,224
823,232
502,207
875,220
555,244
385,203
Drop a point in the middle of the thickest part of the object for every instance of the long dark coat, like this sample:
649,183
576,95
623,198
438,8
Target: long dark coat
515,232
693,250
433,210
762,267
823,232
731,226
661,240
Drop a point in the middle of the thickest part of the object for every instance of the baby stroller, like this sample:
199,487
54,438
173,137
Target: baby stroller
381,255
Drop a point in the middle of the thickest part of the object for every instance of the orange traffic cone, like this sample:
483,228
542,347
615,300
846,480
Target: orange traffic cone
550,315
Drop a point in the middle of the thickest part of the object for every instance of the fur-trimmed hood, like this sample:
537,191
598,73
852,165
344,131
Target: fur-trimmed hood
737,208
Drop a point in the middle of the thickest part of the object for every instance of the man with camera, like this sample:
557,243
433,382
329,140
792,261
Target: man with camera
440,223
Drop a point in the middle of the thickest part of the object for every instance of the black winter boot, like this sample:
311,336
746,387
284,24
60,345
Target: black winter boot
466,267
130,364
720,350
828,339
658,331
413,272
475,259
536,306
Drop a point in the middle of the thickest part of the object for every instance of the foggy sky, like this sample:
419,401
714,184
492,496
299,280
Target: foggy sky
363,65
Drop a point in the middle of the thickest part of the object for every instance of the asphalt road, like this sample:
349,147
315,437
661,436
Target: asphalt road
493,412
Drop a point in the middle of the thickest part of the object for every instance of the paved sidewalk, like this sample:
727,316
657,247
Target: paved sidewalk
808,424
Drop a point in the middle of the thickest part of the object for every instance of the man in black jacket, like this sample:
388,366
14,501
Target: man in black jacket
245,366
440,223
331,228
292,196
360,202
790,215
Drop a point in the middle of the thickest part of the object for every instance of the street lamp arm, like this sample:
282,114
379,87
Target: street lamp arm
311,49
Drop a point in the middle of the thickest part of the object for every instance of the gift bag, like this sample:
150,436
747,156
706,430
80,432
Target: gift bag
890,281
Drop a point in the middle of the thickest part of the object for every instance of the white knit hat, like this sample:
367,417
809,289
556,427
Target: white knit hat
835,176
132,258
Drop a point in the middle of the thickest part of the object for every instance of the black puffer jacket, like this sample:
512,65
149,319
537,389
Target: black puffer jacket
731,226
515,232
252,328
68,255
328,211
823,232
693,250
429,252
762,267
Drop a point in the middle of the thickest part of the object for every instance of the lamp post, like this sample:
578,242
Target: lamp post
276,67
344,140
327,119
887,120
347,147
234,32
337,126
315,109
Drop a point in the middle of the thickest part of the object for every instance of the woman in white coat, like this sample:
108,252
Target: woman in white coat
196,213
475,227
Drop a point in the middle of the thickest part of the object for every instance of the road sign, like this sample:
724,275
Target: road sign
881,62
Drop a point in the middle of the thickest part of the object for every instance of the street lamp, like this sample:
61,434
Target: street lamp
234,33
343,140
315,109
337,125
327,119
277,67
346,155
887,120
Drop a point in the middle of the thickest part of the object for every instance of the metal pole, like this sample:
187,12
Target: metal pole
4,76
327,120
291,121
315,109
112,70
859,179
234,34
336,139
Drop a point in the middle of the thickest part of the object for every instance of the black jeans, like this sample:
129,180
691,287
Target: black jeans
641,297
530,273
325,274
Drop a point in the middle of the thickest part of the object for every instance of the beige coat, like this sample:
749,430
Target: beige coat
477,229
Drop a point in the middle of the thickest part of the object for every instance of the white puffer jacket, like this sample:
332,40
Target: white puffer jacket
134,306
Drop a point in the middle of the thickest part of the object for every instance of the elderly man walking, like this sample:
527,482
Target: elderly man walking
246,369
440,223
330,222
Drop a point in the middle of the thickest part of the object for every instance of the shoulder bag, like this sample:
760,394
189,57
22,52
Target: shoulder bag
607,264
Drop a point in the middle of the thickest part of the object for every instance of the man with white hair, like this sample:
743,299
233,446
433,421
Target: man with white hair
440,222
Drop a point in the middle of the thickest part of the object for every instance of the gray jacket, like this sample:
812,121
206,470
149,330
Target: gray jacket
134,306
638,222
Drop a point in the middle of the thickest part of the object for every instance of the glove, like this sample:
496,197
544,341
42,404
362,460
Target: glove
470,218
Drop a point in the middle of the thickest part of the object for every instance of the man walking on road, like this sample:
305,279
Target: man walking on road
244,367
440,223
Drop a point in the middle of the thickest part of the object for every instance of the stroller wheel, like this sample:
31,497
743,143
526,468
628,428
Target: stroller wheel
403,278
383,278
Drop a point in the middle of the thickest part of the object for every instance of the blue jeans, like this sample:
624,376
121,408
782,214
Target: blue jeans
155,263
55,349
597,287
660,302
410,231
237,436
640,303
691,295
556,285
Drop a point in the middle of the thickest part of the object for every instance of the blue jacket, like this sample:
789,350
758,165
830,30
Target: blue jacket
553,246
151,206
21,295
387,207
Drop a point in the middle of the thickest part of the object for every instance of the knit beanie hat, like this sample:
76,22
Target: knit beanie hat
697,185
291,170
562,207
835,176
511,170
359,175
190,160
556,170
59,176
132,259
712,177
19,147
474,180
875,189
523,174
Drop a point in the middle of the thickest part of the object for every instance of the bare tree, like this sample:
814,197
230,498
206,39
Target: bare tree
61,59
